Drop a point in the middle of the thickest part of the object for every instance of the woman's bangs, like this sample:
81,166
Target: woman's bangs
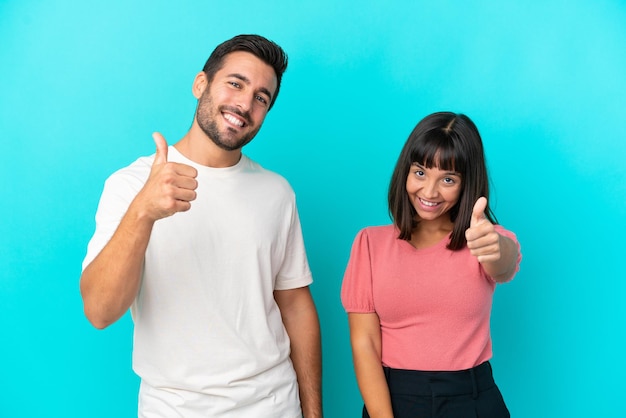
437,151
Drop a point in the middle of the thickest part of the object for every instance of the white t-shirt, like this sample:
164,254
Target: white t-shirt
209,339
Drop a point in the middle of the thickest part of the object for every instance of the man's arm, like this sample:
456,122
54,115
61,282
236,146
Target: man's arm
110,283
302,324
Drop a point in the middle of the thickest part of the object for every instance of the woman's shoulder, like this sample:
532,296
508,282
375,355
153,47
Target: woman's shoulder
379,232
380,229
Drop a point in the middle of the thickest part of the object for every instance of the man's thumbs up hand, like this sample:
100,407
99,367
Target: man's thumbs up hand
170,188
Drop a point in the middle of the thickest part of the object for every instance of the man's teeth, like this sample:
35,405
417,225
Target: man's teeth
233,120
427,203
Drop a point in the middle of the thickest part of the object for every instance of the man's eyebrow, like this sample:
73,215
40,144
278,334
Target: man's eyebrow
247,81
240,77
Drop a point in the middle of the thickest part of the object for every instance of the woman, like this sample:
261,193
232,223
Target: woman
419,292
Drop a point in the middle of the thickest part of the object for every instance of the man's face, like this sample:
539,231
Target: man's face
232,108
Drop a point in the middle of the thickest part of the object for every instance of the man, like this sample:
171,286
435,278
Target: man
205,247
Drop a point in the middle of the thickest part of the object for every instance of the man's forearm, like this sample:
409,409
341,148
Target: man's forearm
110,283
302,325
306,356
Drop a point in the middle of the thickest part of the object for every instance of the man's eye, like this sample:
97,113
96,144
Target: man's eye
261,99
234,84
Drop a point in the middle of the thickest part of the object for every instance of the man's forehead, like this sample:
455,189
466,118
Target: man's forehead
243,59
249,66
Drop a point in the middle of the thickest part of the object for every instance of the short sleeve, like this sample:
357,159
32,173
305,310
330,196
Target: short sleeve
506,233
119,191
356,289
294,271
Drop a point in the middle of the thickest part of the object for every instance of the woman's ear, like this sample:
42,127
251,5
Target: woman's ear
200,83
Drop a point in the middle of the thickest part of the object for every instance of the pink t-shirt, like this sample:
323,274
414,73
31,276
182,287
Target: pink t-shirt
434,304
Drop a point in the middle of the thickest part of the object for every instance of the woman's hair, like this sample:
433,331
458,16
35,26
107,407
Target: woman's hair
451,142
264,49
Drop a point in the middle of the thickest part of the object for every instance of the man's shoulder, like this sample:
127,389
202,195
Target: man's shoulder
266,175
135,173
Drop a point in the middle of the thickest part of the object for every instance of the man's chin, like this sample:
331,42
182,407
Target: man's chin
232,145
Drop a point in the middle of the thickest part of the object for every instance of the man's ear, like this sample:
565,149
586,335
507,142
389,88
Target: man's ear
200,83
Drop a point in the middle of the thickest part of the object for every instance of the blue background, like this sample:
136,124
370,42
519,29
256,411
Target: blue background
84,84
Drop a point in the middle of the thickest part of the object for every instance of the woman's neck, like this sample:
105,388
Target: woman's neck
428,233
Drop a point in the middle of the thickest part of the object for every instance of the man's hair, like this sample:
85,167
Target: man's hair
264,49
450,142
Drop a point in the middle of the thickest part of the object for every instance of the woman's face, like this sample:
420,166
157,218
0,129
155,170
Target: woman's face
433,192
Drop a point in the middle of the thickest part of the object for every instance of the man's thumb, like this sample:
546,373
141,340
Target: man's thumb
161,149
478,213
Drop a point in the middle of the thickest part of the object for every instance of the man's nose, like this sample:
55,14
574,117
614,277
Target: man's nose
244,101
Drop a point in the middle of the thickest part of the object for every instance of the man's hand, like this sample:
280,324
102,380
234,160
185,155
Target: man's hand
170,188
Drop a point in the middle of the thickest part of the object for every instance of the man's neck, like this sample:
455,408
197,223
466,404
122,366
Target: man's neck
199,148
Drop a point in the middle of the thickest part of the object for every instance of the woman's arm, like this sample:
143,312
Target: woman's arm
497,254
365,338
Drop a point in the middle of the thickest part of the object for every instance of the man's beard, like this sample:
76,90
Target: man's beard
208,124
